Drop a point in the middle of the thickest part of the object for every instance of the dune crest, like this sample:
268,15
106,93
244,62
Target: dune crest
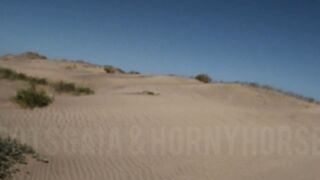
185,130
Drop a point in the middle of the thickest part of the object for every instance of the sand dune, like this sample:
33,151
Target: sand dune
119,133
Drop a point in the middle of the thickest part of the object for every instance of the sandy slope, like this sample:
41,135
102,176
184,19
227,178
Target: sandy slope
119,133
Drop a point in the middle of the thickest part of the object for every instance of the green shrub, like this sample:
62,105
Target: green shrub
39,81
66,87
111,70
310,100
84,90
70,67
21,76
13,75
11,153
271,88
60,87
32,55
7,73
203,78
31,98
134,72
120,71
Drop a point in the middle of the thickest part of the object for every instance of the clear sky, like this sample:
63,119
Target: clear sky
275,42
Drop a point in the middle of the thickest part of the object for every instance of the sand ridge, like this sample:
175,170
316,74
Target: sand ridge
118,133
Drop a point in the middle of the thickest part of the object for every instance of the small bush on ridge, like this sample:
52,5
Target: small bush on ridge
111,70
134,72
33,55
203,78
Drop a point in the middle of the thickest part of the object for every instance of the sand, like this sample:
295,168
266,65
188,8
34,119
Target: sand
187,131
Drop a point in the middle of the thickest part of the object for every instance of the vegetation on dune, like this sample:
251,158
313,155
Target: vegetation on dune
203,78
33,55
121,71
67,87
70,67
23,56
111,70
11,153
60,87
32,98
134,72
38,81
84,90
9,74
268,87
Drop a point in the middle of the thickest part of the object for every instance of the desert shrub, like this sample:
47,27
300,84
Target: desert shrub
11,153
203,78
8,74
83,90
33,55
31,98
120,71
70,67
21,76
39,81
111,70
13,75
271,88
66,87
134,72
310,100
62,86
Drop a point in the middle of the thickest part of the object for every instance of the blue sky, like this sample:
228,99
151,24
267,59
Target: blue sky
275,42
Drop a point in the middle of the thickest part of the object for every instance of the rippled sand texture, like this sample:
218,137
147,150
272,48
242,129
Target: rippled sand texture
186,131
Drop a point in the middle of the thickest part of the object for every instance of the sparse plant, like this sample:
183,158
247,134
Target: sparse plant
31,98
7,73
83,90
13,75
271,88
112,70
67,87
70,67
203,78
38,81
13,152
33,55
133,72
121,71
